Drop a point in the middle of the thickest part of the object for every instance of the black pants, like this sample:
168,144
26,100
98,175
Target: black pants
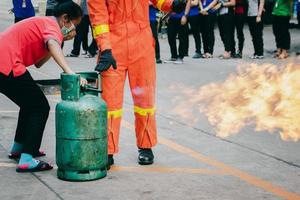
49,12
239,21
174,28
256,31
34,109
207,32
153,25
81,37
194,22
281,31
226,28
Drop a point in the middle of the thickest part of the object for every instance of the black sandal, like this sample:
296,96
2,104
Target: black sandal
42,166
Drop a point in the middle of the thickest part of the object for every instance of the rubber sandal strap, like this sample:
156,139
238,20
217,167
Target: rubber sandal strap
42,166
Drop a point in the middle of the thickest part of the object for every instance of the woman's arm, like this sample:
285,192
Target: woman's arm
186,12
57,54
261,7
230,3
211,5
260,10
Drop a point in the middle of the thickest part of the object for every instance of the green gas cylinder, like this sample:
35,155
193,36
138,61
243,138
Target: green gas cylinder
81,131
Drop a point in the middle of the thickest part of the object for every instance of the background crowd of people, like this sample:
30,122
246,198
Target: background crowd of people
199,18
229,16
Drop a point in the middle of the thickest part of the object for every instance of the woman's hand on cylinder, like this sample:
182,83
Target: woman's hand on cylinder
83,81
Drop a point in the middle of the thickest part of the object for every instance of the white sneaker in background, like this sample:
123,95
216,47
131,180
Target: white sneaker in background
171,60
179,61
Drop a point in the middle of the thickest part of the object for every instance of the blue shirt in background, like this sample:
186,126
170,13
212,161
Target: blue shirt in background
23,12
194,11
152,13
176,15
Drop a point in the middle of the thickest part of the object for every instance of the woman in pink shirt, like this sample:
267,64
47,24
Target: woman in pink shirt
32,42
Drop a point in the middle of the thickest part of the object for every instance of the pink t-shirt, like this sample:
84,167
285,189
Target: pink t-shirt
25,43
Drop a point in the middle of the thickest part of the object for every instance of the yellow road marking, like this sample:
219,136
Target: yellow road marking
279,191
7,165
167,170
144,169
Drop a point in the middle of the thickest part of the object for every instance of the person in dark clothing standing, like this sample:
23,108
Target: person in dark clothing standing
22,9
281,17
208,19
177,24
255,10
81,37
194,21
50,7
153,23
239,20
226,26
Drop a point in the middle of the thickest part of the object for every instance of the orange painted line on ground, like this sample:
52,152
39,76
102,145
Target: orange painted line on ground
7,165
167,170
279,191
144,169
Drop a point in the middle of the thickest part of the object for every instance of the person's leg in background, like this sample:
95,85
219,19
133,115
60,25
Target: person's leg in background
285,37
276,32
78,39
194,22
154,30
183,34
256,31
239,26
172,33
93,48
33,115
258,39
226,27
85,31
204,31
209,21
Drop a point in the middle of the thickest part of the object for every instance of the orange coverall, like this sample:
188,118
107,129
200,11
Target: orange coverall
123,26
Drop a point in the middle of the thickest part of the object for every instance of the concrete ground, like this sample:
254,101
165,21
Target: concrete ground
190,163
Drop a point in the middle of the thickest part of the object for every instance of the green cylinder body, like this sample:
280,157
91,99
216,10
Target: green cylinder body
81,132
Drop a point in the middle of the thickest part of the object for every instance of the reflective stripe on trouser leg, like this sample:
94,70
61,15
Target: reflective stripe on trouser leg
145,127
113,88
113,129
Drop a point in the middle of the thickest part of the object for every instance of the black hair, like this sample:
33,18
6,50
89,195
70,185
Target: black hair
72,9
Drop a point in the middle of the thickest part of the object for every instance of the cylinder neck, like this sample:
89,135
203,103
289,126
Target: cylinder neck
70,87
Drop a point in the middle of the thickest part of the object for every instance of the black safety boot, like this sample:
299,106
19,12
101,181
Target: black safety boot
145,156
110,161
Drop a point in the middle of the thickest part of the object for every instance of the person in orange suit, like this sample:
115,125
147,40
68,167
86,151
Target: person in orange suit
123,34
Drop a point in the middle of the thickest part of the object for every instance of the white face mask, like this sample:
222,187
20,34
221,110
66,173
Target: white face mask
65,31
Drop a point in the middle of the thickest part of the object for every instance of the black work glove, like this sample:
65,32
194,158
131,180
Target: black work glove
106,60
178,6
